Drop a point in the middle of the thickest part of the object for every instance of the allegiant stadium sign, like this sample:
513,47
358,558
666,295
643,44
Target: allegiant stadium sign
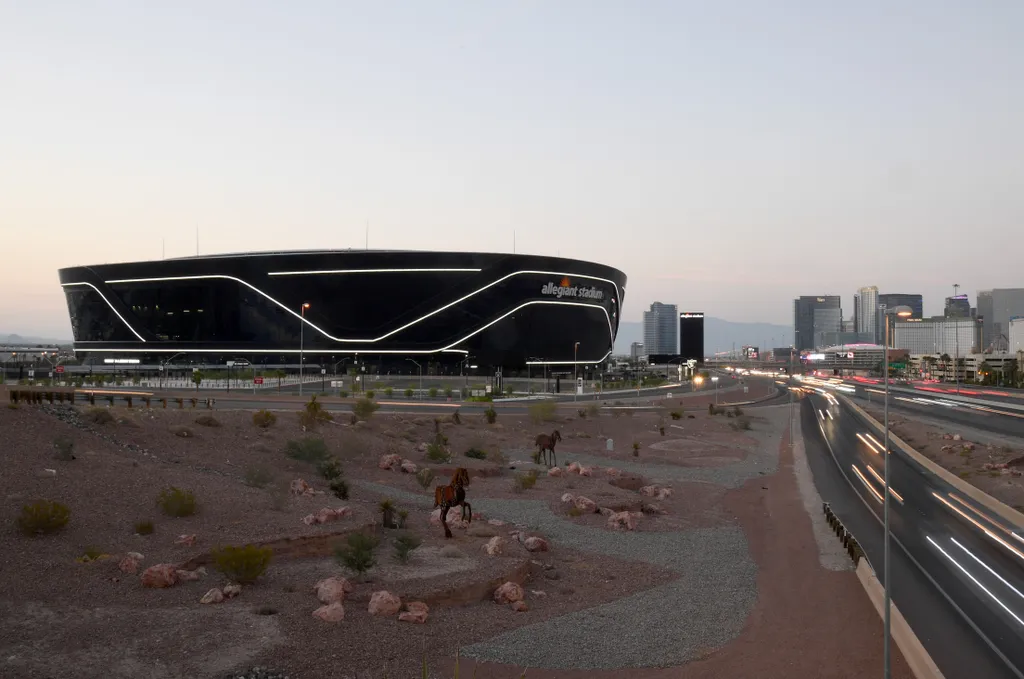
567,290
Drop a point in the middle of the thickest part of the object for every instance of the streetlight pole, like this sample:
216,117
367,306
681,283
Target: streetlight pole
302,328
714,378
575,373
956,334
420,368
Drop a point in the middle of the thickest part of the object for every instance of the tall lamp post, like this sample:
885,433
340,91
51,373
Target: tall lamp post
901,312
575,374
956,335
714,378
302,329
420,368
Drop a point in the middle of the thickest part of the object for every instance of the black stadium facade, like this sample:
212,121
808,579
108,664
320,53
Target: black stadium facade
496,309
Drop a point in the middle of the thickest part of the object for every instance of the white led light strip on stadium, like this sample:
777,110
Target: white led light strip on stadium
449,348
361,341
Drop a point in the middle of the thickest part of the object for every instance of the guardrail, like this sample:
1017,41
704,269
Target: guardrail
111,398
853,547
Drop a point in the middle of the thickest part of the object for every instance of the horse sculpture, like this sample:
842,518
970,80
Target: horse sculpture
452,495
546,443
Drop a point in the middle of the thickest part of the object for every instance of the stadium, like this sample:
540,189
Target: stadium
501,310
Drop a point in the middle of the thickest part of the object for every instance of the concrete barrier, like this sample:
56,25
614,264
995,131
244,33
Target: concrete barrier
982,498
921,664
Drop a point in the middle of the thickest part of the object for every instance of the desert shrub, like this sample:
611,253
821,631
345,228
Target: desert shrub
476,454
258,477
364,408
636,449
432,392
425,477
64,447
43,518
448,392
661,429
737,411
242,564
408,392
711,409
403,545
593,410
388,391
339,487
343,393
525,481
144,527
177,502
741,422
370,393
581,413
456,417
357,552
491,415
313,414
207,421
676,415
387,510
403,516
182,431
308,449
436,452
92,554
264,419
575,511
544,411
728,413
98,416
330,468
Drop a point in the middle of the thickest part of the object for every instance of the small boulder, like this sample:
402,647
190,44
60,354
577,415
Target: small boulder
384,603
331,612
481,531
613,472
555,471
517,535
957,437
130,563
568,498
622,521
214,596
585,505
586,471
309,519
495,546
389,461
422,447
496,522
300,487
186,540
415,611
409,467
508,593
573,468
160,575
231,590
188,576
332,590
520,606
535,544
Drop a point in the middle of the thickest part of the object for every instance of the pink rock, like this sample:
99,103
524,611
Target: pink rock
536,544
508,593
232,590
519,606
332,590
187,540
415,611
585,505
517,535
652,508
586,471
214,596
495,522
188,576
331,612
129,564
454,518
389,461
160,575
956,437
384,603
573,468
604,511
309,519
568,498
622,520
649,491
664,493
326,515
300,487
409,467
495,546
555,471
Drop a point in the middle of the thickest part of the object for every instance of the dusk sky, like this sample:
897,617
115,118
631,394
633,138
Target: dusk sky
726,156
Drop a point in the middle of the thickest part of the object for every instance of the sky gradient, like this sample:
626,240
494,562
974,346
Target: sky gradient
727,156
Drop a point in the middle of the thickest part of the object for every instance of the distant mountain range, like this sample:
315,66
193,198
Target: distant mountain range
22,339
719,335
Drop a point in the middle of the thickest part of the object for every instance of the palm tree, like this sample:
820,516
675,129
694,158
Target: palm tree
280,375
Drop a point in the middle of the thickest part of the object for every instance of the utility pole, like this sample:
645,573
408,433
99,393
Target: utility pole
956,333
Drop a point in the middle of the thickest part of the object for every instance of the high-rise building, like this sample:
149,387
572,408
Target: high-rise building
985,311
691,335
1015,335
1007,303
636,351
957,306
813,316
937,335
866,312
661,334
894,299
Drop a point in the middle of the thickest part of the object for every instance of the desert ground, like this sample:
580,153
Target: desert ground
662,544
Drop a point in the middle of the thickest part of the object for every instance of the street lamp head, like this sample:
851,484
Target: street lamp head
305,305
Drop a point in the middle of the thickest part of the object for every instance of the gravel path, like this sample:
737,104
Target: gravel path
665,626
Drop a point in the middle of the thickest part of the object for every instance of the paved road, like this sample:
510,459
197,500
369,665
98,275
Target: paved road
960,588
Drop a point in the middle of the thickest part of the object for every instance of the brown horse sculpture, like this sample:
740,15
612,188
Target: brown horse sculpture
453,495
547,443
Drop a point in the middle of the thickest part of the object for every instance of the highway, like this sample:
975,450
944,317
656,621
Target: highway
957,571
